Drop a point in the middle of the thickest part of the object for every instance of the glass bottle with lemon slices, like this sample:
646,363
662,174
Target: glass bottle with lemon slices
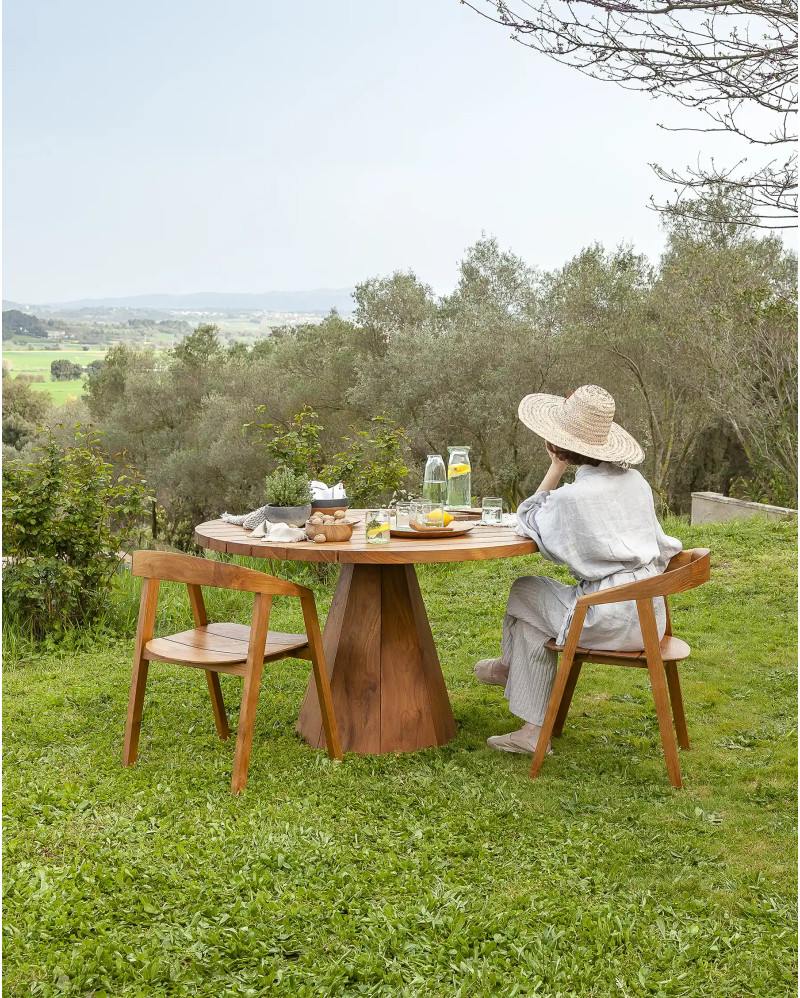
459,479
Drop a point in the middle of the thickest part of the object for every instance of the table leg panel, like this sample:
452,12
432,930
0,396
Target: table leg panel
352,646
406,722
441,712
388,690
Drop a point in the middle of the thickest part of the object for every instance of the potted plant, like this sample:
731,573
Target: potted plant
288,496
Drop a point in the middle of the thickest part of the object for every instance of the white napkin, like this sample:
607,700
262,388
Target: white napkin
321,491
279,532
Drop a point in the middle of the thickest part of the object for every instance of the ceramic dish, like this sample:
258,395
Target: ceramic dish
451,531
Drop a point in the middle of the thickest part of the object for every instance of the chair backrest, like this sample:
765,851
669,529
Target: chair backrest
686,570
168,567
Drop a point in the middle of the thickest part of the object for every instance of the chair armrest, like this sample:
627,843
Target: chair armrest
619,594
676,580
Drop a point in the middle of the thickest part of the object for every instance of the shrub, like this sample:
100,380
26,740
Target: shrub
371,463
285,487
66,517
18,431
19,399
65,370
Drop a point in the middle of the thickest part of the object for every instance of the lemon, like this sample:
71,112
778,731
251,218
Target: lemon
374,531
439,516
455,470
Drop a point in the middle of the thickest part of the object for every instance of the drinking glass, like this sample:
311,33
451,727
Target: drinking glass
420,511
434,515
377,526
492,512
402,515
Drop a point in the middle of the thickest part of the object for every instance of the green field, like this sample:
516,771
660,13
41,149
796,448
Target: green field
444,873
23,361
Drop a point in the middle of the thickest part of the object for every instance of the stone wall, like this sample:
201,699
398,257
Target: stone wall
711,507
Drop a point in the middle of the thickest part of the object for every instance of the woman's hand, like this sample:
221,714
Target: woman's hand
554,472
555,461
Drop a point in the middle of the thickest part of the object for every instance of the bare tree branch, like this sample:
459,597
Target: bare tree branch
723,58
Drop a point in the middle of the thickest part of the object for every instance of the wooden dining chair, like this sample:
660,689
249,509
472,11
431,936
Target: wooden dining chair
235,649
686,570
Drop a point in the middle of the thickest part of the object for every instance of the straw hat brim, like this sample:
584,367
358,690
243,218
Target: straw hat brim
544,415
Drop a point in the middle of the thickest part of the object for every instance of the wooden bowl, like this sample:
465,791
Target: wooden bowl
341,531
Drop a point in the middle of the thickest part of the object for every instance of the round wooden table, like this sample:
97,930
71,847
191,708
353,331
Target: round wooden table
386,679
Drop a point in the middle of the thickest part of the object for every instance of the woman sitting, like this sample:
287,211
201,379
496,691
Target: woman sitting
603,527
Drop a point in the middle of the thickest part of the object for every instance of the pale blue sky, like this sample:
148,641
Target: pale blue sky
193,145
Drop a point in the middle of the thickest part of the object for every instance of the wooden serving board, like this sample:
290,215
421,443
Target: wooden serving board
435,532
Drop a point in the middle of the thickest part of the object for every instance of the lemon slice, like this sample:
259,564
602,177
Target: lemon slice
374,531
456,470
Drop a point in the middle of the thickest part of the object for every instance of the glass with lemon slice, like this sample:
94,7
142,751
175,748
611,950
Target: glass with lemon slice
377,526
459,479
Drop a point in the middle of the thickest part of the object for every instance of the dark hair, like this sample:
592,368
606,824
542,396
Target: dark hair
571,457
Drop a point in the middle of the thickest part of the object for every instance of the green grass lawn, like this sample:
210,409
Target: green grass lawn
441,873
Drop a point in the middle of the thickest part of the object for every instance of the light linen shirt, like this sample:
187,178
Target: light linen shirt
602,524
604,528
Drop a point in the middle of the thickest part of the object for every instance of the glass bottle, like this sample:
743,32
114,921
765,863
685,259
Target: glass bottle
434,483
459,479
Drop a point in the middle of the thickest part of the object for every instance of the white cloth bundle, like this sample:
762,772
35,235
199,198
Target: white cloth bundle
321,491
281,533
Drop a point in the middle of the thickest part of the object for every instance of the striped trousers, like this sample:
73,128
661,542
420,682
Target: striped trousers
540,608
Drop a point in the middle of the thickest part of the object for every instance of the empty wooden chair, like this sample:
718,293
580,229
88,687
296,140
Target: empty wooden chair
685,571
235,649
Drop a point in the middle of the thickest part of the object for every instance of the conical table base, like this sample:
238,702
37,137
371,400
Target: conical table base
388,690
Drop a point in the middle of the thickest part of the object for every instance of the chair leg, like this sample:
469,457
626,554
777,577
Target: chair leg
676,697
244,736
133,725
655,667
321,678
144,632
259,629
559,686
566,699
218,705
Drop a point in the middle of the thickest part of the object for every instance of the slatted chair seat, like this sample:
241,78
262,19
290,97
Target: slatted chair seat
687,570
234,649
222,644
672,650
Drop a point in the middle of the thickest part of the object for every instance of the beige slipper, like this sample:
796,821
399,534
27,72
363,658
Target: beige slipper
491,671
512,743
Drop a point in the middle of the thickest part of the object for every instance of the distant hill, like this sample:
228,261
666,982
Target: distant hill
321,300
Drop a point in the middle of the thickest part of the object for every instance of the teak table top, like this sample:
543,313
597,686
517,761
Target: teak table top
480,544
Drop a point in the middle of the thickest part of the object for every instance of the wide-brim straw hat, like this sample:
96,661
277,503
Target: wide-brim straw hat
583,422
